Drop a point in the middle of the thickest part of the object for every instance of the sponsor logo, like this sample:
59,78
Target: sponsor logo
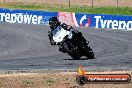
83,78
20,18
81,20
86,24
114,24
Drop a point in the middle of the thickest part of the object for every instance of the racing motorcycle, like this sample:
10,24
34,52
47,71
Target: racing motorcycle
70,42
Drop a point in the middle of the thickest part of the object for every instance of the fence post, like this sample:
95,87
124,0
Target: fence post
69,3
4,1
46,3
117,3
58,2
92,3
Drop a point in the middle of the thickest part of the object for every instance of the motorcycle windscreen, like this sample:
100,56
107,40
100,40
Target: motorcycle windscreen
59,33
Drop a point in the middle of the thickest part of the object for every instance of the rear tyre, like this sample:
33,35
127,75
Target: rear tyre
89,53
66,47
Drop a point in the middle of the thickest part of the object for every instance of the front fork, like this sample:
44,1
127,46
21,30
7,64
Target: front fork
61,49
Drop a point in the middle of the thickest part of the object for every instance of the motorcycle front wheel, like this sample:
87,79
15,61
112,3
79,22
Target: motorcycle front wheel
75,56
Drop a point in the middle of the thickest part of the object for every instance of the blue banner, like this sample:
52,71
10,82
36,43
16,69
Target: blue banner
25,16
74,19
103,21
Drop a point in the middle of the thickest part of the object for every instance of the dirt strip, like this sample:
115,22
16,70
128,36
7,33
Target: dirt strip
53,80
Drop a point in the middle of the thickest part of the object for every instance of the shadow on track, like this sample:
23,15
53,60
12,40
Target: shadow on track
80,59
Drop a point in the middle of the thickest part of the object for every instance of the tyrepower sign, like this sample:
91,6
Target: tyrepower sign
25,16
96,20
20,18
113,22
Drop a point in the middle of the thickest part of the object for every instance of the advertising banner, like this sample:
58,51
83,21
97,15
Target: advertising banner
25,16
74,19
97,20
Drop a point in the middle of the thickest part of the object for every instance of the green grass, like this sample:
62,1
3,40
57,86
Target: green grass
49,82
27,82
77,9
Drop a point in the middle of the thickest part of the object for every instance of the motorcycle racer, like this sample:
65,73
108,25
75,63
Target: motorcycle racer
69,40
54,23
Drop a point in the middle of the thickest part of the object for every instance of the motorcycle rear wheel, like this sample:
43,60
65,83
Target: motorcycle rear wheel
90,54
88,51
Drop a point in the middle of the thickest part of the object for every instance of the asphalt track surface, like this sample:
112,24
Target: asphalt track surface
27,48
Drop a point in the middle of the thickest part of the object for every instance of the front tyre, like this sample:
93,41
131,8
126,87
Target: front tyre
66,47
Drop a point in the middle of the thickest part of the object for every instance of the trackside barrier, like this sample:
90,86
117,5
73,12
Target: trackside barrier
25,16
74,19
96,20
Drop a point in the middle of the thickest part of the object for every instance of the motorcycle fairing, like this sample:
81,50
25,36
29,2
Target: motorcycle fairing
59,33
